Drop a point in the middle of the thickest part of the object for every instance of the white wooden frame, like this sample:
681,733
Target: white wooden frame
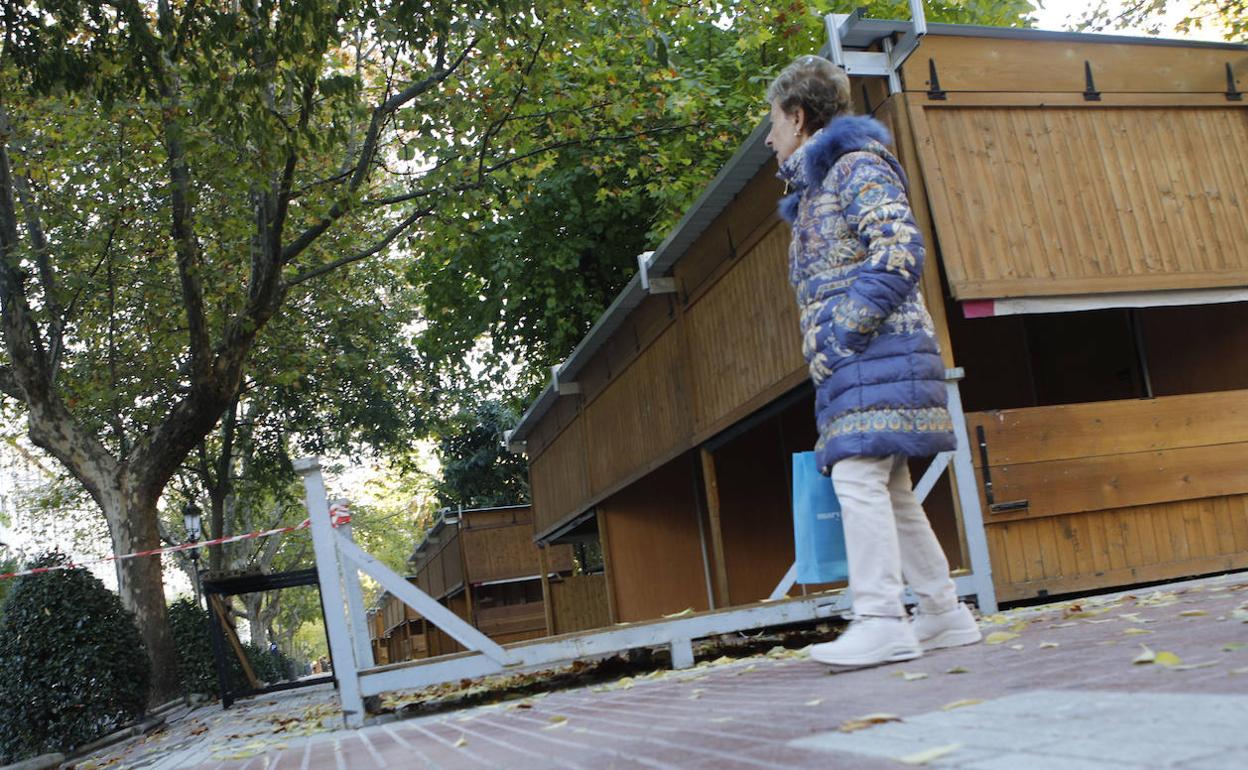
339,561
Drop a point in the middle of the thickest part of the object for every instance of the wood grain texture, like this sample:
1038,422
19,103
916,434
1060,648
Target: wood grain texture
1056,487
1038,199
579,602
642,416
988,64
653,553
743,336
559,478
1102,549
1040,434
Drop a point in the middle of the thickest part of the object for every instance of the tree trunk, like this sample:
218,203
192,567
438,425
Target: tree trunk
132,522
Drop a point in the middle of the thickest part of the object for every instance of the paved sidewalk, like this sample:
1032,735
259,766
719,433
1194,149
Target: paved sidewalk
1057,687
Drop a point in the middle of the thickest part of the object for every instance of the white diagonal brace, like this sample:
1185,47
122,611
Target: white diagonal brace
933,474
782,588
426,605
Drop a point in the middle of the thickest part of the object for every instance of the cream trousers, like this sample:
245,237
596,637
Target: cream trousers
888,537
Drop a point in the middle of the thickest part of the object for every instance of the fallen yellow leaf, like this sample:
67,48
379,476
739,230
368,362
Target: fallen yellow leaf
681,614
927,755
1192,613
556,721
1167,659
957,704
870,720
957,670
462,742
1136,632
1147,656
999,637
911,676
1048,645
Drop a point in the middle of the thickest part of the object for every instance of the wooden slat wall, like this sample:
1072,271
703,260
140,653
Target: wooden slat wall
653,550
990,64
1118,491
743,337
1138,544
1046,200
559,477
642,417
499,551
579,602
512,622
498,545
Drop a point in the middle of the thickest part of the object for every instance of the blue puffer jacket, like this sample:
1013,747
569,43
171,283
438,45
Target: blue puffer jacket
855,262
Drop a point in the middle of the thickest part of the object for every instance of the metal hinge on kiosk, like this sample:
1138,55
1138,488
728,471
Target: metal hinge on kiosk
884,63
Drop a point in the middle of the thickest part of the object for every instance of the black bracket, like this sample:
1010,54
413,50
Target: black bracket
993,505
1090,94
1233,94
934,91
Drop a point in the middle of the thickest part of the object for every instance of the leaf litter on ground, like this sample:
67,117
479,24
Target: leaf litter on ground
870,720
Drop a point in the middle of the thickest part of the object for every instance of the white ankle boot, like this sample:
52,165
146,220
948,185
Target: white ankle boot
953,628
869,641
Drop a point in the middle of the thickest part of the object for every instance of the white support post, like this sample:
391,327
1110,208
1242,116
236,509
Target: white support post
968,496
682,653
356,614
330,578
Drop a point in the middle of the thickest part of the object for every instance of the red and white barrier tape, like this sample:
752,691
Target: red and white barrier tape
339,514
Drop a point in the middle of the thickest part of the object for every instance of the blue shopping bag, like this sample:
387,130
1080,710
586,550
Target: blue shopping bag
818,537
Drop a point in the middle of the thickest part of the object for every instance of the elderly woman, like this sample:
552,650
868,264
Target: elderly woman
855,262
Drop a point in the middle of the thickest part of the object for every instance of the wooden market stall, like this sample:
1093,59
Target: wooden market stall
485,567
1085,203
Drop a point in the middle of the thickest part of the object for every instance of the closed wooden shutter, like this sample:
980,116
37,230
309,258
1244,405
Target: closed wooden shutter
1051,195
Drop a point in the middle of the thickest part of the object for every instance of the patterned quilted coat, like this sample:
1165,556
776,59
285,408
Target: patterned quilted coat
855,262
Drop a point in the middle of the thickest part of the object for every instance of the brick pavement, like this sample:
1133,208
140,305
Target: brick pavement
1064,693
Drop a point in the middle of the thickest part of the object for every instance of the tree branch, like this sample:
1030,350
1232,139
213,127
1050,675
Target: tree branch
360,173
389,238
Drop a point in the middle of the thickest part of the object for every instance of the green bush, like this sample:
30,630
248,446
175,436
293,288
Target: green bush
72,664
189,625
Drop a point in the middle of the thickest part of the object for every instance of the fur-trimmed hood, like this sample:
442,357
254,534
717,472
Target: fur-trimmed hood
811,162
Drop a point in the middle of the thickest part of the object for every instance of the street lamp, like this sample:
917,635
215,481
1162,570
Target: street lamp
191,520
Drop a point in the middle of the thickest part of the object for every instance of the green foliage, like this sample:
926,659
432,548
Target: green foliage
188,623
637,106
9,562
270,666
72,665
477,471
1229,18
